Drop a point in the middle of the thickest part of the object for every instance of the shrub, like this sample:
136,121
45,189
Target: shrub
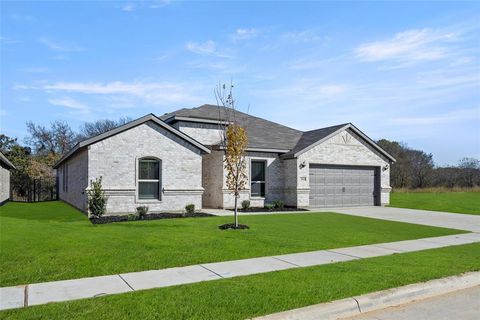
132,216
142,212
278,204
245,205
190,208
97,201
269,207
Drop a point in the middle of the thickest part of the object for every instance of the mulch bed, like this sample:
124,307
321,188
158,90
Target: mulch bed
150,216
258,209
232,226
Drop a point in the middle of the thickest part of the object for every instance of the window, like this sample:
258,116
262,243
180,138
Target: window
149,178
257,178
65,177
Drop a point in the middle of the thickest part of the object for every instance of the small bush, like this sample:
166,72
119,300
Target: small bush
278,204
142,212
245,205
97,201
133,216
190,208
269,207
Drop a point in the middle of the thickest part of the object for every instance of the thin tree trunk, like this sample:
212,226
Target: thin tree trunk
236,217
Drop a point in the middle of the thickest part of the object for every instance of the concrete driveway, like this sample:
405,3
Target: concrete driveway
431,218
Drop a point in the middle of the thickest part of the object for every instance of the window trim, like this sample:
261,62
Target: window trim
65,177
138,180
265,161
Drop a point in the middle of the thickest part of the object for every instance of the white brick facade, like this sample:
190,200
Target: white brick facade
190,175
115,160
288,179
73,180
4,184
206,133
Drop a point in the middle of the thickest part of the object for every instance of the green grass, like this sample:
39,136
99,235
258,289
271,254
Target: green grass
245,297
52,241
457,202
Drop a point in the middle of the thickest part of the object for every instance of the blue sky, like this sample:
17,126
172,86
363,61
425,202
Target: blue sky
403,71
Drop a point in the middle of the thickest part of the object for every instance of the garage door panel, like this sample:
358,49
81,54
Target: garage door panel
341,186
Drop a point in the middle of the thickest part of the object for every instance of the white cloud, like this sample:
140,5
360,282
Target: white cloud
446,78
449,117
310,90
60,47
244,33
159,3
154,93
75,107
331,89
70,103
129,7
207,48
304,36
410,45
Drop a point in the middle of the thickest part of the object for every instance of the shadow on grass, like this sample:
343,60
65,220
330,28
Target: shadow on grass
42,211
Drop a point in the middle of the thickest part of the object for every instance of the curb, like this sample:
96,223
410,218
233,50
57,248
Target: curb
378,300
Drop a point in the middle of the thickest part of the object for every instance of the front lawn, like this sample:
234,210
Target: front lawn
457,202
246,297
52,241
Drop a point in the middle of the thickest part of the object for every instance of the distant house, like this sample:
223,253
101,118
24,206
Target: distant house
169,161
5,167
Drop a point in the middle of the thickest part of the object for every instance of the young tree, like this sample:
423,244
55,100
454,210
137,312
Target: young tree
234,142
97,200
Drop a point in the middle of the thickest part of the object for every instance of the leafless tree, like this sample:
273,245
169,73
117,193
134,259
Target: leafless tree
56,140
470,172
91,129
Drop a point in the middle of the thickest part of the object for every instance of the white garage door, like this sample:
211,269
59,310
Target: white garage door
342,186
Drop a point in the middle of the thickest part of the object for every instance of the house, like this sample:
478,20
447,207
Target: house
5,167
169,161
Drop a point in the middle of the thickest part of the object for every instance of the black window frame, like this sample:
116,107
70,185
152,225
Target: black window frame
263,182
158,196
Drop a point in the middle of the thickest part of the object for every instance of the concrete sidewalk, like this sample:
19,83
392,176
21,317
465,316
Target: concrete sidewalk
41,293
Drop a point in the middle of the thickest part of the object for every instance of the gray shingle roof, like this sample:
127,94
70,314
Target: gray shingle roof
262,134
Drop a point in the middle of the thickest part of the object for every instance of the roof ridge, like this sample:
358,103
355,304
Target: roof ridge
337,125
247,114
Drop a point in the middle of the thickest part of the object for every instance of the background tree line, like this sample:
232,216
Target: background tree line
416,169
44,145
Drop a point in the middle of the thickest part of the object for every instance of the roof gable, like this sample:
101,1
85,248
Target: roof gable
311,139
127,126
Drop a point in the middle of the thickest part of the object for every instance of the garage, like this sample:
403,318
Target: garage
342,186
